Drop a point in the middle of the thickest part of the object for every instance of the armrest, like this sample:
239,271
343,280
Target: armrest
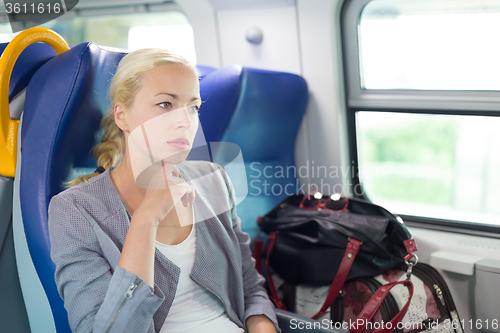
290,322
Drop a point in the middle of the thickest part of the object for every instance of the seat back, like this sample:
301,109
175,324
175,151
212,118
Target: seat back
65,102
13,314
260,111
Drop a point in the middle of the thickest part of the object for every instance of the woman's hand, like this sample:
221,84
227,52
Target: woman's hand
260,324
164,190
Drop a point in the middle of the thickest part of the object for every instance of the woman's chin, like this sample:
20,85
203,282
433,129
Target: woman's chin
176,158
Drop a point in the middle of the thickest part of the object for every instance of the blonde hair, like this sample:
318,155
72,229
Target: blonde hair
124,87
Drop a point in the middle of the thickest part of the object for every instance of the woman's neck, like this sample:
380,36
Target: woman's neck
124,181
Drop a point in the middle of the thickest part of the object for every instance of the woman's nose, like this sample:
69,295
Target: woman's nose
182,118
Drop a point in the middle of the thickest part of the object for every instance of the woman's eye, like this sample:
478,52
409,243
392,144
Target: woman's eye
165,105
194,108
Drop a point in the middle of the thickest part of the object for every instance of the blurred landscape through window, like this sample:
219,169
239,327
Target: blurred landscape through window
430,45
443,166
169,30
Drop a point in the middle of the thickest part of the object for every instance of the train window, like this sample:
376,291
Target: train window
423,103
440,166
168,29
430,44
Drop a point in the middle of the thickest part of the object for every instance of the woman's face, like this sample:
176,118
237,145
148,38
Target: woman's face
163,119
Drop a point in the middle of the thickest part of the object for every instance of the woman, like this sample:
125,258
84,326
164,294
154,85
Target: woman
129,254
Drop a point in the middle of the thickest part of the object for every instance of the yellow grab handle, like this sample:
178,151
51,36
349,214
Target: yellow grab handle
9,127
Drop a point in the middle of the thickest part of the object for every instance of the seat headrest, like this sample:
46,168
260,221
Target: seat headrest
204,70
219,92
32,58
260,111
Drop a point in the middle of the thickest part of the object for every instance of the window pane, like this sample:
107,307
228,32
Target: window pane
6,34
431,165
169,30
430,44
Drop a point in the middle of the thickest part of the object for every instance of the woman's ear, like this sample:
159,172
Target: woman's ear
120,116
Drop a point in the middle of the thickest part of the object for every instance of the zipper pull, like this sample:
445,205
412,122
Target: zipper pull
130,290
439,293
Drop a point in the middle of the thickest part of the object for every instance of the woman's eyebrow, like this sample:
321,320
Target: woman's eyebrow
164,93
174,96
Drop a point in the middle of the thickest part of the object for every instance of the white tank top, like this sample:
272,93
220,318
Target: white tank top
195,309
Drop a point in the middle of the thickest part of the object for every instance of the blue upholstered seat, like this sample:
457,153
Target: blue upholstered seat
259,111
30,60
65,102
13,314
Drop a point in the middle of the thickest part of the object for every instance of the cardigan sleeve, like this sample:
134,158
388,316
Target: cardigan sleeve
256,298
97,296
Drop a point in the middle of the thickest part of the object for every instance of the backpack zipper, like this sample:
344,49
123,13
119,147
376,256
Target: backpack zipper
430,280
439,294
444,300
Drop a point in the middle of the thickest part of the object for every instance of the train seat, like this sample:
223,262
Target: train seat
12,308
260,112
204,70
65,102
61,124
29,61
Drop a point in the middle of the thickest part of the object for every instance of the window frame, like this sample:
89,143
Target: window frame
104,8
439,102
459,100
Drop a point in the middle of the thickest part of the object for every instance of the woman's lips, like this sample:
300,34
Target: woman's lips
179,143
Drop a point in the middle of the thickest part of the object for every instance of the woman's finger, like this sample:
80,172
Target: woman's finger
192,195
175,180
185,200
188,197
170,168
180,191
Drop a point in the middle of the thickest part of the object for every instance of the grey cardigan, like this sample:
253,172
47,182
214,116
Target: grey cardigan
88,224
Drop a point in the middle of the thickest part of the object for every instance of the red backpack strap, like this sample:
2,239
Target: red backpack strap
257,248
374,303
351,251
